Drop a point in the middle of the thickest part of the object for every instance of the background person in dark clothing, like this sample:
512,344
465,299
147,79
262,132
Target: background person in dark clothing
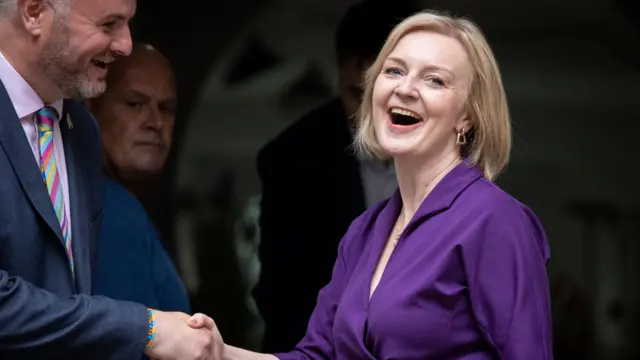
136,116
311,180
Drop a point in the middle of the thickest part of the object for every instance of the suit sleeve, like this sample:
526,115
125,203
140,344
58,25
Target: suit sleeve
37,323
505,262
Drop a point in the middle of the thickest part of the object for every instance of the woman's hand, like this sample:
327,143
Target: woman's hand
198,321
221,350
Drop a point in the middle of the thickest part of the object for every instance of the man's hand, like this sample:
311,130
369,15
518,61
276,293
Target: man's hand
175,340
201,321
220,349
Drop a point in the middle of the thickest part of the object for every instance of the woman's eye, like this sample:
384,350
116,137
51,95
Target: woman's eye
436,81
392,71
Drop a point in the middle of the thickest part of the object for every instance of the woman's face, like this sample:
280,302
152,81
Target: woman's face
419,97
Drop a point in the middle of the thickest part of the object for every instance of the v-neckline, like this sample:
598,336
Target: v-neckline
385,255
382,232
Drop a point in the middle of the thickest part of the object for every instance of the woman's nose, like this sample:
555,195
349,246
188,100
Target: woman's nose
406,89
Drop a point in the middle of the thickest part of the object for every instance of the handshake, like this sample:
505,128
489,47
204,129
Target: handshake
183,337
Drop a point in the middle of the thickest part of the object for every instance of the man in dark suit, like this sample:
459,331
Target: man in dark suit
313,186
50,176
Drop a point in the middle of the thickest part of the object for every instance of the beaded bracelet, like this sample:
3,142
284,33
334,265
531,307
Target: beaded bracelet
151,334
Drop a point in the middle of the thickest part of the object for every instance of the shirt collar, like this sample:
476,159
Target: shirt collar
24,99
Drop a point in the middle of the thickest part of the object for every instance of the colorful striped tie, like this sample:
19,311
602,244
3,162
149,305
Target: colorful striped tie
45,119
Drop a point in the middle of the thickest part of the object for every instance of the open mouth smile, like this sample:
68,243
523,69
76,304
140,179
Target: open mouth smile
404,117
101,63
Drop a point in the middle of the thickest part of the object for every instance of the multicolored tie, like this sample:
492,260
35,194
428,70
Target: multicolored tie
45,119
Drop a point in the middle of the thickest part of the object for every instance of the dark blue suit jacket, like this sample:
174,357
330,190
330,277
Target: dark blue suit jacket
287,298
44,313
132,263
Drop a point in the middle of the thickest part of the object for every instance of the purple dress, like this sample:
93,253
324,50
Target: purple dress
467,280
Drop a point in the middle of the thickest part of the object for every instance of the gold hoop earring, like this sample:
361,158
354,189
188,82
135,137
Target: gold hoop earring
461,138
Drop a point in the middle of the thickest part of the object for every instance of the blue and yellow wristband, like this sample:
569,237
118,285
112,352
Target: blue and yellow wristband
151,334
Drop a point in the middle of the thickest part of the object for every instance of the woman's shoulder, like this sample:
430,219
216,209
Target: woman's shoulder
492,212
355,239
487,199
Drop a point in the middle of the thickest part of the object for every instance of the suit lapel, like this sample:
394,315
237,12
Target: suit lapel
77,200
16,146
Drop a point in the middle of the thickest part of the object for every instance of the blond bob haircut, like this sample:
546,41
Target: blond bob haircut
489,138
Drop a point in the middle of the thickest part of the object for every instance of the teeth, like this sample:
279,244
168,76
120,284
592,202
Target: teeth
405,113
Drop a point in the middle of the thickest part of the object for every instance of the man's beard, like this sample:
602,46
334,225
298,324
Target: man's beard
54,61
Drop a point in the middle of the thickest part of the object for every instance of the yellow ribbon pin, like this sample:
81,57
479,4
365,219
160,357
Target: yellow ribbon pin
69,123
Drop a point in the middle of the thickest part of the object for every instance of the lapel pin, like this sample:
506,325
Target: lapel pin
69,123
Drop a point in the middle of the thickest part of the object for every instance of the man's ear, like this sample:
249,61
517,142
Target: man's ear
33,15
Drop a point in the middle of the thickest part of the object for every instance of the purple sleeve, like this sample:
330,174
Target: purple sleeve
318,341
505,261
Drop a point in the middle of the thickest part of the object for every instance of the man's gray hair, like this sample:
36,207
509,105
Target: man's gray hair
7,7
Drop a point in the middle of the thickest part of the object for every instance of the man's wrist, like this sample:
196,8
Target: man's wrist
151,334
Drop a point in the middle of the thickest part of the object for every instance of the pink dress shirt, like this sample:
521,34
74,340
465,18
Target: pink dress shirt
26,102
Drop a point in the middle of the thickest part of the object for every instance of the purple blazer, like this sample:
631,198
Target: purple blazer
467,280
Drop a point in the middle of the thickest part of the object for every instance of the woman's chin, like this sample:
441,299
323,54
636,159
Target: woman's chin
397,151
398,146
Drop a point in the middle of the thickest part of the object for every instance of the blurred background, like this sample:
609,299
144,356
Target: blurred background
246,69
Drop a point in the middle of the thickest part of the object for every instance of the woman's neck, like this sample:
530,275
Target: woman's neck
418,177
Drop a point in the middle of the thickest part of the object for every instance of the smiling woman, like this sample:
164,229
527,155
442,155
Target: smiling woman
449,267
454,78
